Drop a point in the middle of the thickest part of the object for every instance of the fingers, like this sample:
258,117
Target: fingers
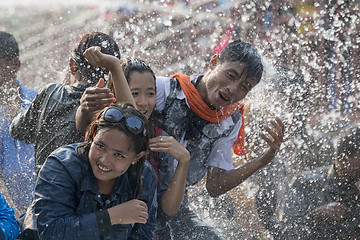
276,133
171,146
101,83
160,143
142,212
93,55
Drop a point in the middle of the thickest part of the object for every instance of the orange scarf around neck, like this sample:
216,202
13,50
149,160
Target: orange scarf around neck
205,112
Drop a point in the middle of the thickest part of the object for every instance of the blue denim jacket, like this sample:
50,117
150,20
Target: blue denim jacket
17,157
68,204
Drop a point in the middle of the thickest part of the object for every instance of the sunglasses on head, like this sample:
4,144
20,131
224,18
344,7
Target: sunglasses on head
134,124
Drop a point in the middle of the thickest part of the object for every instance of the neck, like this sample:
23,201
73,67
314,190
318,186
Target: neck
202,90
106,187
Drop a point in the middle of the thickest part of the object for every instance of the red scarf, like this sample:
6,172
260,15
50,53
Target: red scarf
205,112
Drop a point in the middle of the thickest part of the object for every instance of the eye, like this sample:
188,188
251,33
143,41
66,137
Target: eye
100,146
151,94
135,94
231,76
119,155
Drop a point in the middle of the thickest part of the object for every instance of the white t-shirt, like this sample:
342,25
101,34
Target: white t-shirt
221,154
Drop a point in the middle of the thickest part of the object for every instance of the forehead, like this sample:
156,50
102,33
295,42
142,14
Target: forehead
237,68
141,80
114,138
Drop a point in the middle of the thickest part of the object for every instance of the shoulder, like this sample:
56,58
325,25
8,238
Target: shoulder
68,158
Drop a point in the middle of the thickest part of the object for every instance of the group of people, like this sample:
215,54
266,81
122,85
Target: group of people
115,148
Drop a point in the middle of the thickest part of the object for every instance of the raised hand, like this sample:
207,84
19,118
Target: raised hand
275,138
133,211
97,58
96,98
171,146
93,100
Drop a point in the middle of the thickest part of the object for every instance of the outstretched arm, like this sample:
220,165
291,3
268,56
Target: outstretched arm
220,181
173,196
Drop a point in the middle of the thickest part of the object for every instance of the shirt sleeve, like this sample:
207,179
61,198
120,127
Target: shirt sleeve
55,205
24,125
221,153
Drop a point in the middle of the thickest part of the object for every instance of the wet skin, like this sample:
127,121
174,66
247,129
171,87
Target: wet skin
225,84
142,86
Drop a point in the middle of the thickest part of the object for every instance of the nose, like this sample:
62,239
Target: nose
141,101
105,159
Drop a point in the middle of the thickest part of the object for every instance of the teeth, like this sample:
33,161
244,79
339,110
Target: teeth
103,168
224,97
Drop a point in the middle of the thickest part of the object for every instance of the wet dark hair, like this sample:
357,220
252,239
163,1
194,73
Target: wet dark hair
349,144
130,65
238,50
9,48
140,142
107,45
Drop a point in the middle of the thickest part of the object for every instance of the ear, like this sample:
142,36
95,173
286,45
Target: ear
213,61
137,157
16,63
72,66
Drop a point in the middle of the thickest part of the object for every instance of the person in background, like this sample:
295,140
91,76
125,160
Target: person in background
324,203
16,157
8,225
99,189
49,122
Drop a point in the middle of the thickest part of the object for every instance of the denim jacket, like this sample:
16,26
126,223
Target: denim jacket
68,204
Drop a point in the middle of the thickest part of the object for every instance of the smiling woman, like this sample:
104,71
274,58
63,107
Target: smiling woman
100,189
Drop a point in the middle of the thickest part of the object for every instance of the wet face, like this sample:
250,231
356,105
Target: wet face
110,155
142,86
226,83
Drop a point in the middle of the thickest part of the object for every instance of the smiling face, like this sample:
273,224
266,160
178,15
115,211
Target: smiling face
142,86
225,83
110,156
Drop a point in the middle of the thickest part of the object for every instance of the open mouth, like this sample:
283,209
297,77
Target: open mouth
223,97
103,168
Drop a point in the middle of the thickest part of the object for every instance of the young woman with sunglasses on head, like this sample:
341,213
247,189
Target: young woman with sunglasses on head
141,81
100,189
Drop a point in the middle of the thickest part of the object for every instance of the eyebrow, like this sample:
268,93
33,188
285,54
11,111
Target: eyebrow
150,88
